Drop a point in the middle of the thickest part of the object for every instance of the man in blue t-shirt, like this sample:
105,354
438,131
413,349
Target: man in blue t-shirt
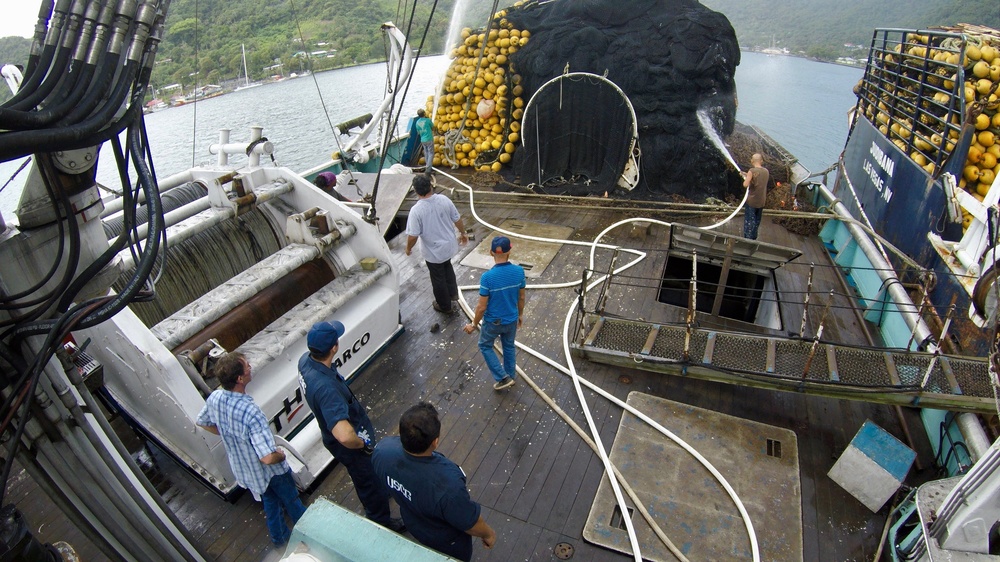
346,430
501,308
425,127
430,489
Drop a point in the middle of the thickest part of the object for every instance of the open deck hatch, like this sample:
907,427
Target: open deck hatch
735,276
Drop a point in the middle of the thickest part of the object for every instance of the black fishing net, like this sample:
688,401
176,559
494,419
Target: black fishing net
567,145
671,58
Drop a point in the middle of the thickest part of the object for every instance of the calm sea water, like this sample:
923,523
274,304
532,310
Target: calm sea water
800,103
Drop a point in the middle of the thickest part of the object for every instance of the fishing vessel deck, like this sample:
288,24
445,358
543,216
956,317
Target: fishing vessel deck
535,478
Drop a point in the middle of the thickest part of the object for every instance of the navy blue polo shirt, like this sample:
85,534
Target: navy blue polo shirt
331,400
432,496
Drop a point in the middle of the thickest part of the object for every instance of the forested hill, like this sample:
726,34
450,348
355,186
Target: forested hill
205,47
821,28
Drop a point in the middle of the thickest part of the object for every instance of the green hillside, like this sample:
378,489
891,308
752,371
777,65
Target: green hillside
205,48
820,28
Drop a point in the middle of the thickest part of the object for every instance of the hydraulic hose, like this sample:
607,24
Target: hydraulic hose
143,268
86,133
38,64
56,71
22,120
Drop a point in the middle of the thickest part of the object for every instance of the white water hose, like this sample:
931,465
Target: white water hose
570,370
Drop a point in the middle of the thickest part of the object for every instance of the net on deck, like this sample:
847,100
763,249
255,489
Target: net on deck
670,57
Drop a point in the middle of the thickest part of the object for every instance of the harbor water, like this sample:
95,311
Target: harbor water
802,104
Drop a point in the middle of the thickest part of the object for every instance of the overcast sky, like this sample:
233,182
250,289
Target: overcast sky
18,17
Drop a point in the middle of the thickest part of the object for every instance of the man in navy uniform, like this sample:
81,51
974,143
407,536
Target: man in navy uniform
430,489
347,432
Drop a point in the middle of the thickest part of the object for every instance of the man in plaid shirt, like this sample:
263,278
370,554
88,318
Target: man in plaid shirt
257,463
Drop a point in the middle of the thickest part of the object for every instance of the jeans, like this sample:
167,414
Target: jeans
488,333
428,153
443,283
370,488
751,220
281,494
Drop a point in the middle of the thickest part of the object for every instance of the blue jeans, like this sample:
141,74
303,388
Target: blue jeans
751,220
488,333
428,153
281,494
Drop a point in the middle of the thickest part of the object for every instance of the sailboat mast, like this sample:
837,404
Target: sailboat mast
246,71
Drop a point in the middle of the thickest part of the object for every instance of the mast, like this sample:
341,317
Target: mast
246,72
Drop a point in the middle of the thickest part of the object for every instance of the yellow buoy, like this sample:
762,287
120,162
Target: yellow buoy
971,174
988,53
986,138
974,156
981,69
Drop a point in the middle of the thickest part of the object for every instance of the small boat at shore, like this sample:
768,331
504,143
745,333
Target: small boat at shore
686,393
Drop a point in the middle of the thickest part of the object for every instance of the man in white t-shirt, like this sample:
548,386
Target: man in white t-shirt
433,220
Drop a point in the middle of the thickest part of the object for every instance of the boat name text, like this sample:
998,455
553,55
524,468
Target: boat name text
393,485
355,348
883,162
289,407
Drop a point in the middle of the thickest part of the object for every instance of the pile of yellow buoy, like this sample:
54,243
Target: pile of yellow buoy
921,125
480,107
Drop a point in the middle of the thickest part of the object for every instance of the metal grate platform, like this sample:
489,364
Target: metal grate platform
871,375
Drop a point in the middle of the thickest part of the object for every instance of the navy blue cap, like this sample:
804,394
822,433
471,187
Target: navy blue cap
500,244
324,335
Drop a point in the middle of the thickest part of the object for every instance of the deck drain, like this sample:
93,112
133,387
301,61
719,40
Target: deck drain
624,379
564,551
617,521
774,448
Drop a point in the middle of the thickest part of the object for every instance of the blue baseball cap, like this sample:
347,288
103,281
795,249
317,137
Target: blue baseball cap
324,335
500,244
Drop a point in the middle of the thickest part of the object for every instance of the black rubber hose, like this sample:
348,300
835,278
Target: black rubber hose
153,234
16,144
55,73
73,259
33,75
96,90
22,120
44,15
127,220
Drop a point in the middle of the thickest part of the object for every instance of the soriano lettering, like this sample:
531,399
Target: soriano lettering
353,350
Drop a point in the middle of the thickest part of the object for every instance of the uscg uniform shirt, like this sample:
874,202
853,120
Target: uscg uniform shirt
331,400
432,496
